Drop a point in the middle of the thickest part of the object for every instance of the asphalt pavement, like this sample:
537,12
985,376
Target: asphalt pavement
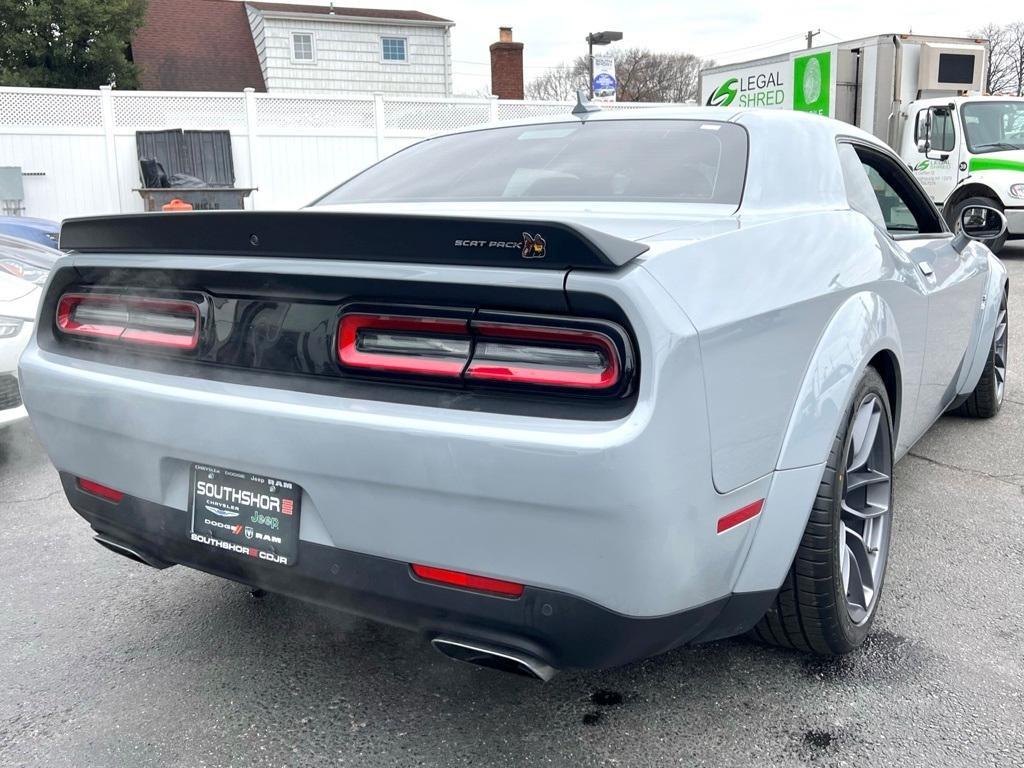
104,662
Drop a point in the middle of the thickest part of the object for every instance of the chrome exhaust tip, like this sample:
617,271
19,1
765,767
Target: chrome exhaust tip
131,554
492,657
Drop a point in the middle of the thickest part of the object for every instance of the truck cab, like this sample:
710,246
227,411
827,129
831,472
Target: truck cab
966,149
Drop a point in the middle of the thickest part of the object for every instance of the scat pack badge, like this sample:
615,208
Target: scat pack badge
531,246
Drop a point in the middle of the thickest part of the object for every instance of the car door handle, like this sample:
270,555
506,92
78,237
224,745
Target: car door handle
926,268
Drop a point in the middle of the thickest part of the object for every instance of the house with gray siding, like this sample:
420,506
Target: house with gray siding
331,49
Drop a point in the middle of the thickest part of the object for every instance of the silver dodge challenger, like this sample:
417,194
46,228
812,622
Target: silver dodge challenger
564,393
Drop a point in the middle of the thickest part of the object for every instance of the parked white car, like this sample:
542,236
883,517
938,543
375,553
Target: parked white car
24,267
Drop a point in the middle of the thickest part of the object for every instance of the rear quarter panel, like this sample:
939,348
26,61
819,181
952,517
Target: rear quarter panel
763,298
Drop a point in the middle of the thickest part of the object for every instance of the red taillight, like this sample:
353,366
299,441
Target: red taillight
468,581
156,322
99,490
741,515
419,345
481,351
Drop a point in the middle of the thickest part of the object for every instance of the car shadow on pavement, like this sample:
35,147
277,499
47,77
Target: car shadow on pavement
346,681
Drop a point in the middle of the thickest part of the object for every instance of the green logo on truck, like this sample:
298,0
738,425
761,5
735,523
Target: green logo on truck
724,94
812,83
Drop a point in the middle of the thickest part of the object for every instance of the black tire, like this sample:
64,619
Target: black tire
954,218
810,611
987,398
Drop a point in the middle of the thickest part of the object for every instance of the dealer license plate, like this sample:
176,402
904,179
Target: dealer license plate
250,515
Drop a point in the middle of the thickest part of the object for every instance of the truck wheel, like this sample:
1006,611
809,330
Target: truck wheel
987,398
828,601
954,218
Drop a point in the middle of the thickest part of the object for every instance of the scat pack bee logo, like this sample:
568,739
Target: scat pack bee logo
534,246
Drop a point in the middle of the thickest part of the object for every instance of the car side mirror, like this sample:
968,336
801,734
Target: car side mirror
980,222
924,130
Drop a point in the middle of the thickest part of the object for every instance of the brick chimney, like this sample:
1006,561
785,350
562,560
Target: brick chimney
506,66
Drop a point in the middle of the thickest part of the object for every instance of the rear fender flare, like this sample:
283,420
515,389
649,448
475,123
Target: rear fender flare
975,362
862,327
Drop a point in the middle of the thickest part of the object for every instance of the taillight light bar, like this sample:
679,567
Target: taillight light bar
552,357
536,351
419,345
169,323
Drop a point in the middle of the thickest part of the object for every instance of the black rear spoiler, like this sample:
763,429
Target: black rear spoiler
485,242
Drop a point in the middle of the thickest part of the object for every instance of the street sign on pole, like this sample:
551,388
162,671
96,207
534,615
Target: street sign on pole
604,83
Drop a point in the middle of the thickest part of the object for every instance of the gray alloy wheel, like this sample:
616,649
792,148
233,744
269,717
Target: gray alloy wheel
987,398
1000,347
865,508
829,598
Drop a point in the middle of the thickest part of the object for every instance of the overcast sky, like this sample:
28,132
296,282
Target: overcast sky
726,30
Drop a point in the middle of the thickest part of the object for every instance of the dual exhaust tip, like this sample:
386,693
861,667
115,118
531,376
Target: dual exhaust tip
493,657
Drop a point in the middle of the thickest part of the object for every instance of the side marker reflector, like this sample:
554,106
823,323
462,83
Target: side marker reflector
741,515
99,490
468,581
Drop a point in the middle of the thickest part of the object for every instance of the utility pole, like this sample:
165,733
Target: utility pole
810,37
590,65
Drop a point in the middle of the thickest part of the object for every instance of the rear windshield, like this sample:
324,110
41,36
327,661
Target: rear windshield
686,161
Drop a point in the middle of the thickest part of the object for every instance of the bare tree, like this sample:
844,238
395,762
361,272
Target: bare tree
1004,59
1016,46
642,75
559,83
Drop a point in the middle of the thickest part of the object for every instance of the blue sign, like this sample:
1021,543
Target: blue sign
604,82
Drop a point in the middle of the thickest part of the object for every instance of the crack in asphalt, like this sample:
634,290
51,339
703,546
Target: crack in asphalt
35,498
976,472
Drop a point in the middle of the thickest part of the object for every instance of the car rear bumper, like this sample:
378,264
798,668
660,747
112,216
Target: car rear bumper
562,630
620,513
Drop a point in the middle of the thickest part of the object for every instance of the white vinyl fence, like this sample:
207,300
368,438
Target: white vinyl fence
77,149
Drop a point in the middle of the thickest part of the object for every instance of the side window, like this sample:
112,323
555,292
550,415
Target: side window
895,212
880,188
859,191
942,135
393,49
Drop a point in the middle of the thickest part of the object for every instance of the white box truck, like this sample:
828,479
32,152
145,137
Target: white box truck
921,95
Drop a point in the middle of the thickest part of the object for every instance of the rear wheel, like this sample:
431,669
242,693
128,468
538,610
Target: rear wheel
987,398
828,601
954,218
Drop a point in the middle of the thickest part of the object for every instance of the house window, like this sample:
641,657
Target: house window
302,47
393,49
